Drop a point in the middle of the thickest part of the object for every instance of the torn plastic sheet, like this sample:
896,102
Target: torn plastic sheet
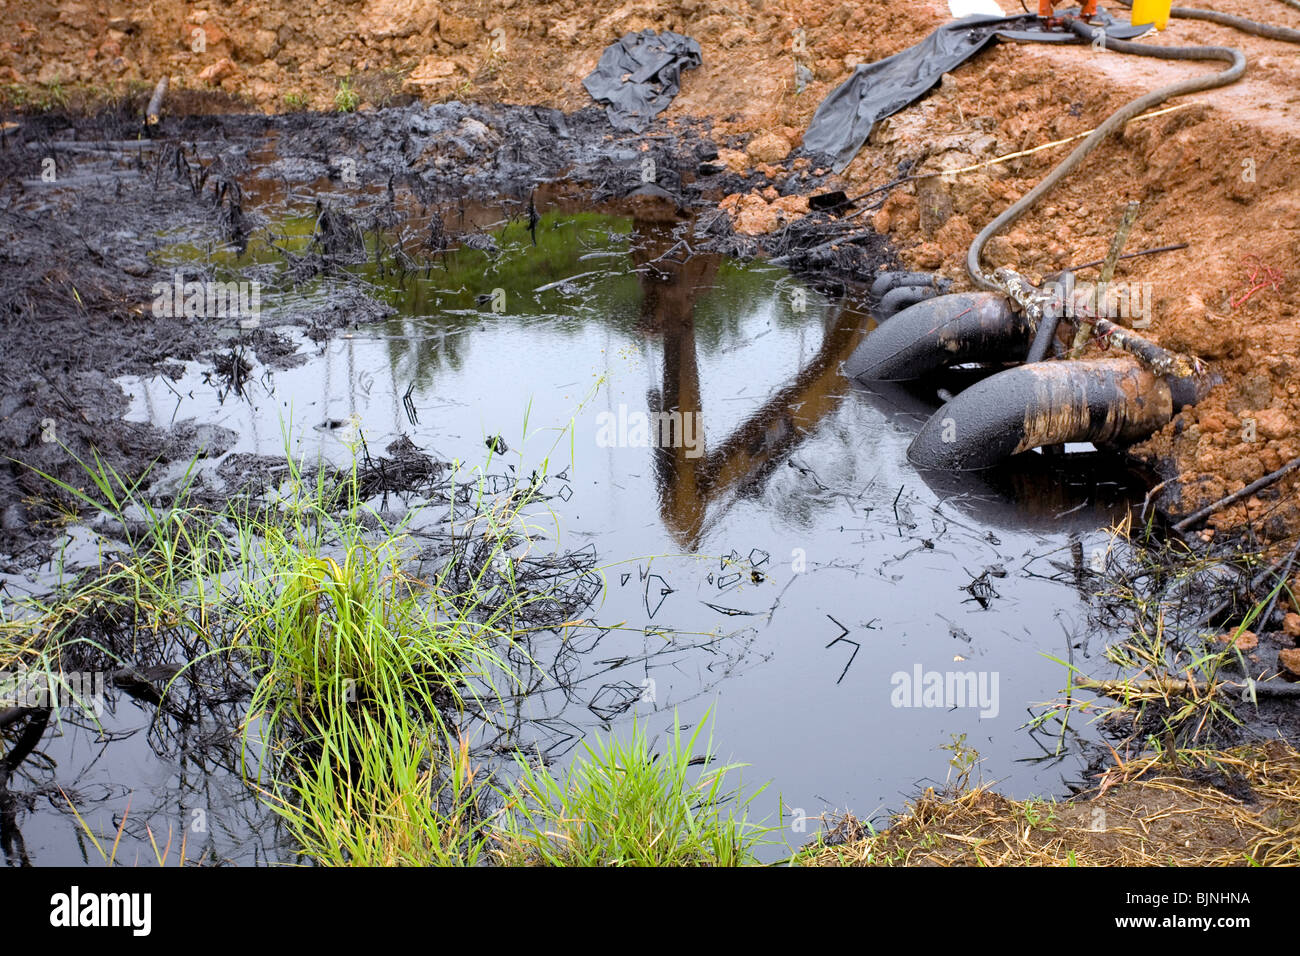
638,76
844,120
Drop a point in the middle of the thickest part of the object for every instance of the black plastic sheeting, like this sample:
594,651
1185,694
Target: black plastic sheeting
844,120
638,76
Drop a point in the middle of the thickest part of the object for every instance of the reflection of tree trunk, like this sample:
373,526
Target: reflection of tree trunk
689,482
669,287
681,501
768,434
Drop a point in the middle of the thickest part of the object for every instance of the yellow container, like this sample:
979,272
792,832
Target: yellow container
1150,11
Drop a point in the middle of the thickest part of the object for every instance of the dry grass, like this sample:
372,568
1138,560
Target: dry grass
1204,808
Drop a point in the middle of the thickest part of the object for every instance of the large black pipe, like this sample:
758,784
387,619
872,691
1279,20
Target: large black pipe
1112,400
947,330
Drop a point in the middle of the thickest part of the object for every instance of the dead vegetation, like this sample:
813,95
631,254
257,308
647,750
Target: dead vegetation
1195,808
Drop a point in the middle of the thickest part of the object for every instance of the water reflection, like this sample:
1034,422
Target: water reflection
689,482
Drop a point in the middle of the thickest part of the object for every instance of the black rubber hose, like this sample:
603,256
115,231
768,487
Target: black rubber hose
888,281
895,300
1112,123
1047,327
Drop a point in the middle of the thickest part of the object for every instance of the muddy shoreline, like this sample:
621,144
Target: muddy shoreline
77,280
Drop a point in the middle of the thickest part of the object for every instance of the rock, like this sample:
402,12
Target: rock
399,18
1291,625
935,204
1270,423
77,16
734,160
218,71
768,148
791,207
749,212
51,71
477,135
999,251
901,210
927,255
1246,640
458,31
431,70
754,215
260,45
564,31
1289,660
1252,391
954,237
1211,422
1187,325
756,218
201,27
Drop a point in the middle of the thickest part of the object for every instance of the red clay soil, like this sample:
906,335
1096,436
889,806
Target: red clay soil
1220,175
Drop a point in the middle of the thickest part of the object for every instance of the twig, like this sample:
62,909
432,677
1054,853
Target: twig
1127,255
1277,592
1084,332
1146,502
1251,586
1226,500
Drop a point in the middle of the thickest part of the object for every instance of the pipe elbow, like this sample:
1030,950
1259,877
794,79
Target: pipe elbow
945,330
1048,403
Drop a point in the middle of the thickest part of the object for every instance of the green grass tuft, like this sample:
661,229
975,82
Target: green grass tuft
621,804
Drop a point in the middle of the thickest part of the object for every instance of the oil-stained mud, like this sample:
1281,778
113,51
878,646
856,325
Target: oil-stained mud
85,205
